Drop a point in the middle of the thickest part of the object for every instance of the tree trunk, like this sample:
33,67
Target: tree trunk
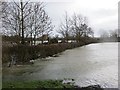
31,40
34,39
22,23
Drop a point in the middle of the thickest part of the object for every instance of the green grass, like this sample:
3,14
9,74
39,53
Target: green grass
37,84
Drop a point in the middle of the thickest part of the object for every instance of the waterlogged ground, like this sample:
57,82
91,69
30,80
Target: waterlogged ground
88,65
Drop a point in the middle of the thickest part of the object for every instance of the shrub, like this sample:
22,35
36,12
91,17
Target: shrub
25,53
53,40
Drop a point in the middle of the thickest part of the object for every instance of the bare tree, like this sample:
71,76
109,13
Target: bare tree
90,32
80,27
41,21
13,18
65,27
104,34
47,26
26,19
9,18
113,33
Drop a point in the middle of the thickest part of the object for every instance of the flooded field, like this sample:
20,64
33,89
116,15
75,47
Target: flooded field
88,65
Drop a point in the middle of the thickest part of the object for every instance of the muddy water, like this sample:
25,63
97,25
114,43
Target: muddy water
88,65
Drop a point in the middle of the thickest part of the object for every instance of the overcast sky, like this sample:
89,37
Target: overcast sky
102,14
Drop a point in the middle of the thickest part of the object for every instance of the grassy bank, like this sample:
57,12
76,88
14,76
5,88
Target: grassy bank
51,84
37,84
24,53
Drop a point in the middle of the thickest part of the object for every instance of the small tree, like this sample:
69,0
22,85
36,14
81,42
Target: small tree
65,27
80,28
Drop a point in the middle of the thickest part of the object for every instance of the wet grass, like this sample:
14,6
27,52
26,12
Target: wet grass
45,85
37,84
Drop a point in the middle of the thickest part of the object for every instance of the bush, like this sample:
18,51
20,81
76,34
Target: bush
25,53
53,40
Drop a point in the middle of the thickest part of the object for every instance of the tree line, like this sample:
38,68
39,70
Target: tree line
109,35
30,20
75,27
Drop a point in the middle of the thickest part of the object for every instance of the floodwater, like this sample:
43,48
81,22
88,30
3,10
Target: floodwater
88,65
